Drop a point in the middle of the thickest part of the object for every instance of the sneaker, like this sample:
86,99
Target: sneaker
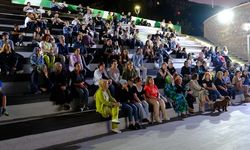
145,120
183,115
158,120
166,119
131,127
138,126
81,110
115,121
4,112
85,108
66,107
116,131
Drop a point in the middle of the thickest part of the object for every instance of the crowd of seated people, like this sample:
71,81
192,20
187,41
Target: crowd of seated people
60,66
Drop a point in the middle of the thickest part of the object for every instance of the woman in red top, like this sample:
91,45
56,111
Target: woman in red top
153,97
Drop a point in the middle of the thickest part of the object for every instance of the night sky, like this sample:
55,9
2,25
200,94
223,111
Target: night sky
224,3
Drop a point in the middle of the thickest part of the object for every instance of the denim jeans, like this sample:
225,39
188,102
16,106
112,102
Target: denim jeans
214,94
131,110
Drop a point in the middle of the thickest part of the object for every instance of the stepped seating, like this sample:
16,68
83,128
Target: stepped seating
36,115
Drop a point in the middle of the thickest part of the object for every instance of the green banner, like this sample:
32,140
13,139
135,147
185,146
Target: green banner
157,24
46,4
177,28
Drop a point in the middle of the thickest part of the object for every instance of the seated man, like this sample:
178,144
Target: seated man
30,21
28,8
17,35
54,6
101,74
63,50
3,102
138,63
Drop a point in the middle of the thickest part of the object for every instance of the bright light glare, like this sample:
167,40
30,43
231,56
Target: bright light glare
137,7
246,26
226,16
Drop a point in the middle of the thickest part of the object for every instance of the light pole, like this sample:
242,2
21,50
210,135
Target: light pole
137,10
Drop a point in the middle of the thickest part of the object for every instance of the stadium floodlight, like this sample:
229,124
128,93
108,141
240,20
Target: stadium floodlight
137,9
226,16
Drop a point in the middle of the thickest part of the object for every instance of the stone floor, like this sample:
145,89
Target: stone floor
217,131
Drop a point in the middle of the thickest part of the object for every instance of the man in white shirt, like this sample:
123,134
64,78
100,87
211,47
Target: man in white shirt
99,74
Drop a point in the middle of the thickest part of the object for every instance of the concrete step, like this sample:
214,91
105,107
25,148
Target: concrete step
36,141
33,110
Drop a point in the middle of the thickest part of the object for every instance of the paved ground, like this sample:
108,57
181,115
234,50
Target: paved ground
225,131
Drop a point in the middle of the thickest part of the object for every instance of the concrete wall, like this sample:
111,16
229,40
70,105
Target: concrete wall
232,35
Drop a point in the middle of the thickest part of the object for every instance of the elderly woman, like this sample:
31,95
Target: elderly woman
154,98
59,93
182,91
208,84
198,91
175,92
106,105
79,87
48,50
